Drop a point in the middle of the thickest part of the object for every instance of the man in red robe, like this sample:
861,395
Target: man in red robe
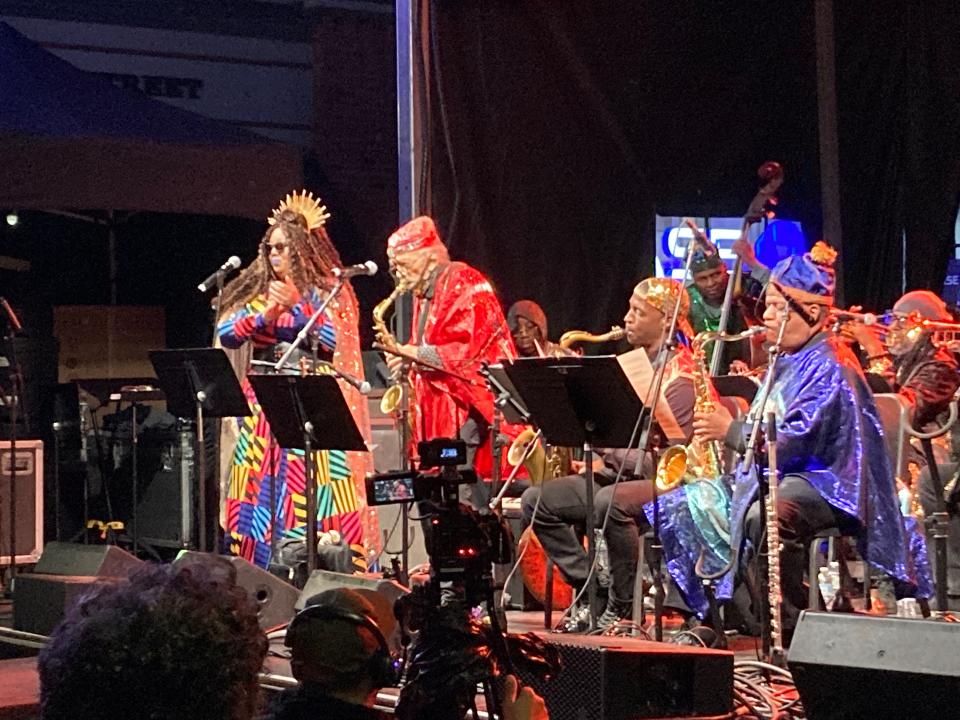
457,325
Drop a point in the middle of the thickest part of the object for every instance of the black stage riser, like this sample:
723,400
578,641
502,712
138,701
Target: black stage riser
860,666
626,679
64,573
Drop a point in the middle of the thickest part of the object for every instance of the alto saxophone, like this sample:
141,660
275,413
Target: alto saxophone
393,396
698,460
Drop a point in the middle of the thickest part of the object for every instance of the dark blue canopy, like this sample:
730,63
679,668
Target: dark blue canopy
71,139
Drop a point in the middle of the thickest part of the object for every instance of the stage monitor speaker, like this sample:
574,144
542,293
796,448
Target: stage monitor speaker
622,678
64,573
62,558
382,594
275,599
862,666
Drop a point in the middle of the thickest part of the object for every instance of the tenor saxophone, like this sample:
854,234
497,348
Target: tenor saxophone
572,337
553,462
698,460
393,396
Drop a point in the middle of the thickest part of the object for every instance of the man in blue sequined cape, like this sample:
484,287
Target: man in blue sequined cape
831,458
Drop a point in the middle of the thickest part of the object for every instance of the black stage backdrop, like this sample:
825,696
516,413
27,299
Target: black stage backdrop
558,129
898,86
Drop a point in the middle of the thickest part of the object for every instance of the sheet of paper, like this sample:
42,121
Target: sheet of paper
636,366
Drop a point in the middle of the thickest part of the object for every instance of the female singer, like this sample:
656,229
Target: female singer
262,311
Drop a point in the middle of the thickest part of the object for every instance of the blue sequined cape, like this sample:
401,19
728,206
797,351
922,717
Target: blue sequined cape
829,432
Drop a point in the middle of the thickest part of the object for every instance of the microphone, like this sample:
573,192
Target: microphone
231,264
11,315
362,386
700,237
366,268
847,316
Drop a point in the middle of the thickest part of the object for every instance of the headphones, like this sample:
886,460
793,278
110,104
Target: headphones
382,667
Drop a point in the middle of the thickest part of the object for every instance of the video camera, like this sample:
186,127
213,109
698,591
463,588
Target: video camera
402,487
461,542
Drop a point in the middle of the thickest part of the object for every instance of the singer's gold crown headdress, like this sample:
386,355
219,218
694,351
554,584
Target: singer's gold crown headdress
306,205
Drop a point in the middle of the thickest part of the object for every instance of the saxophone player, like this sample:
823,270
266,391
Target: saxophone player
457,325
562,502
830,448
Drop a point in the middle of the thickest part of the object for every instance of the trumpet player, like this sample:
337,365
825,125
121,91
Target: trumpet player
925,374
561,512
832,460
457,325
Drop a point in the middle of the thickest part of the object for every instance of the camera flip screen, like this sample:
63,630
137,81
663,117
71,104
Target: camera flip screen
390,489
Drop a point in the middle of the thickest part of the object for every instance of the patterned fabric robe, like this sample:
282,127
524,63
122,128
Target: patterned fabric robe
259,463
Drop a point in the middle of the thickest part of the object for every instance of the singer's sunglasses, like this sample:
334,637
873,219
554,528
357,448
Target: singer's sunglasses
279,247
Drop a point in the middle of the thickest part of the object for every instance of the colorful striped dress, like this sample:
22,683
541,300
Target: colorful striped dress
258,458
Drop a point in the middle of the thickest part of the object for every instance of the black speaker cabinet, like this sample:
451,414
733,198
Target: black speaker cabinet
861,666
61,558
64,573
382,594
275,599
612,678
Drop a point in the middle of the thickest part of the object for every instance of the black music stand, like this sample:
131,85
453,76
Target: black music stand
307,413
199,383
134,394
579,401
735,386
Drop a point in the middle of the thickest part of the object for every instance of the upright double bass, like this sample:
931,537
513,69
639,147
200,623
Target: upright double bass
770,175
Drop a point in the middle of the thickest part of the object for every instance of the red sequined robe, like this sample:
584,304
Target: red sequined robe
466,327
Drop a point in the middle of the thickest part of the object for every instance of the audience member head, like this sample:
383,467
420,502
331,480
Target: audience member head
337,646
169,643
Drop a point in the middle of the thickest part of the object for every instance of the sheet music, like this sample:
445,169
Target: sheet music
636,366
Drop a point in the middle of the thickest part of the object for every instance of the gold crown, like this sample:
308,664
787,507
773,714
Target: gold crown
305,204
823,254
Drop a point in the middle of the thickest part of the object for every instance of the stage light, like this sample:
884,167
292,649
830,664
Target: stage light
13,219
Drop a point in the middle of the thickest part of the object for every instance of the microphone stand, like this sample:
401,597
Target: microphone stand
302,335
216,310
647,419
503,398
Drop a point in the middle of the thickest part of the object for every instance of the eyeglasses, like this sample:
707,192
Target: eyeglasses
279,247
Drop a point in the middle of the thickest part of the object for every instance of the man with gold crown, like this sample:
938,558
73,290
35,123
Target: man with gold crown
557,508
261,312
831,456
457,326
